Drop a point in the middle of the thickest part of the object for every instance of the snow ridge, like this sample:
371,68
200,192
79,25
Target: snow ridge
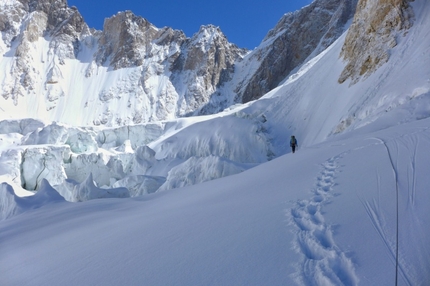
323,262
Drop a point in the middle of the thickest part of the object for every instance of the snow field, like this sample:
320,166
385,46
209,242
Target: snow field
321,216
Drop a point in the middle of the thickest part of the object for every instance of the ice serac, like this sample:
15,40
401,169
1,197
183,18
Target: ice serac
22,127
43,162
373,33
296,37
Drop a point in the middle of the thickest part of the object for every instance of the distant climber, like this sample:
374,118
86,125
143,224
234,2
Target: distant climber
293,143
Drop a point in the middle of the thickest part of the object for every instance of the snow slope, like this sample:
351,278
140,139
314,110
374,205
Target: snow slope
349,208
339,213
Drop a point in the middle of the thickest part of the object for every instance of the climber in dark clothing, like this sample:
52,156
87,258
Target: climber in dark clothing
293,143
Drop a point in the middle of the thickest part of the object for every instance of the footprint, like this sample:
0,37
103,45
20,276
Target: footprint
325,237
322,260
312,209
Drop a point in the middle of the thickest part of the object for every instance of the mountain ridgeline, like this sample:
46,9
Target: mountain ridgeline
53,64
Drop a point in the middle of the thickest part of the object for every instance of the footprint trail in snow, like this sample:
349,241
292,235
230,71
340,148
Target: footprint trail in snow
323,262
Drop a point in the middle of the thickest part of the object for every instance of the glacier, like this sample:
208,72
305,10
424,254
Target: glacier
220,200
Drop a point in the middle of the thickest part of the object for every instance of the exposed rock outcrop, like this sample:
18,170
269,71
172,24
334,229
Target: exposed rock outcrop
296,37
372,35
125,40
10,17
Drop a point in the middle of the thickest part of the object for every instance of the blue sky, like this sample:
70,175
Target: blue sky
245,23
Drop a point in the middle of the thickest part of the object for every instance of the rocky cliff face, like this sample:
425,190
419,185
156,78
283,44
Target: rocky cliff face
296,37
126,41
374,31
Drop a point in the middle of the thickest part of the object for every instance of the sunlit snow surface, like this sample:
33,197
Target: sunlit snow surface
350,207
326,215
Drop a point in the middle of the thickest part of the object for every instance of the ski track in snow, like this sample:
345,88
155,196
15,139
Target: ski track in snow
323,262
376,215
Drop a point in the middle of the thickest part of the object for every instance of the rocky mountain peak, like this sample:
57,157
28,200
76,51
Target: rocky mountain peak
205,63
211,44
207,33
125,40
374,31
60,18
209,29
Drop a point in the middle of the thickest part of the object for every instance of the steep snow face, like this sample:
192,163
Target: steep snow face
312,104
374,32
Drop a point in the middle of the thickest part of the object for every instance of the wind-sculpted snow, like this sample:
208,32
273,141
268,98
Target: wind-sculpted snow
196,170
250,143
87,190
140,184
11,204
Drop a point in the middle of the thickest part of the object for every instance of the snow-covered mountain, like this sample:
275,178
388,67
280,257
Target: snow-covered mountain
133,72
349,208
